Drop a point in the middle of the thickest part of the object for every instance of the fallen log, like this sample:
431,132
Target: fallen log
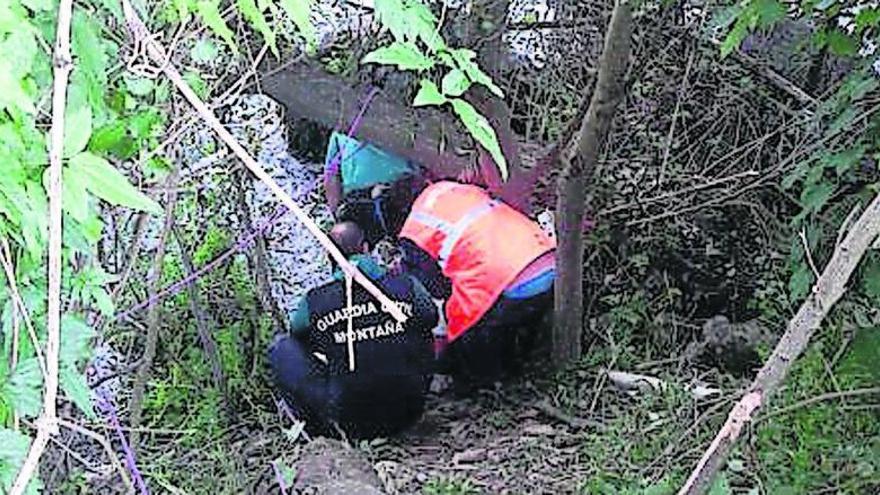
429,137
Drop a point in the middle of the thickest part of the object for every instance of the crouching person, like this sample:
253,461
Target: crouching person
373,385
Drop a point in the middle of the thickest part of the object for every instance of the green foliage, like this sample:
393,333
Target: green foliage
412,25
449,486
15,448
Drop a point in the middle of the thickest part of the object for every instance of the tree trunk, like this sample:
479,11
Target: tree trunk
574,178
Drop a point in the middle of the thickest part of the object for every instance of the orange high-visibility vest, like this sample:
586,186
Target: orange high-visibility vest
481,245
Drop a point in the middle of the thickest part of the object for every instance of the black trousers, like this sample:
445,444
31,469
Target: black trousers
499,343
362,405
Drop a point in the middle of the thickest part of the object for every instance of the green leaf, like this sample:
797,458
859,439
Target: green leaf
814,197
12,94
107,183
725,17
102,301
480,129
183,8
720,486
76,198
424,25
768,12
406,56
76,335
867,18
77,121
845,160
92,60
258,21
138,86
23,44
871,279
800,282
204,51
841,44
392,15
465,59
113,138
428,94
25,388
734,38
455,83
77,390
209,11
39,5
843,121
194,79
12,455
299,12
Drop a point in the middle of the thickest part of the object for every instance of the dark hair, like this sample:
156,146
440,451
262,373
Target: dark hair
349,237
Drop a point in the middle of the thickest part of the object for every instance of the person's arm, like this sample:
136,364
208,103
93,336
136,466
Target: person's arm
425,269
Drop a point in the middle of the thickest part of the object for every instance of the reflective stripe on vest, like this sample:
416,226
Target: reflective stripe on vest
453,231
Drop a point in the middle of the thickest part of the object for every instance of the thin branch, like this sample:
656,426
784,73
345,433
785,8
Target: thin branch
46,426
153,314
101,439
819,398
6,261
829,288
157,53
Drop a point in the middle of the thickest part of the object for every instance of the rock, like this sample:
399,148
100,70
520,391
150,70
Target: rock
468,456
330,467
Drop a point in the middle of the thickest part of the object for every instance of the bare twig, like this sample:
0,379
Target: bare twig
829,288
101,439
6,261
807,253
46,426
157,53
819,398
675,112
153,314
204,331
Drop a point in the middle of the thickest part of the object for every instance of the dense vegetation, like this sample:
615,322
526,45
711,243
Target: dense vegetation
747,142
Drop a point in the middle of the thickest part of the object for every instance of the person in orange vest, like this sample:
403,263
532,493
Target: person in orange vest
493,265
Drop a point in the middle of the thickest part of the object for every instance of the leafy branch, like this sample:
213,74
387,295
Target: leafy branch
418,46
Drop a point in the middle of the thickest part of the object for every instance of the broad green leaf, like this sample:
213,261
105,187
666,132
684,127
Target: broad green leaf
406,56
22,43
209,11
768,12
107,183
258,21
113,138
858,87
860,364
143,123
813,198
35,225
299,12
800,282
841,44
25,388
15,448
480,129
12,93
139,86
90,49
455,83
74,385
392,15
204,51
75,337
465,59
76,198
424,25
77,121
428,94
845,160
102,301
